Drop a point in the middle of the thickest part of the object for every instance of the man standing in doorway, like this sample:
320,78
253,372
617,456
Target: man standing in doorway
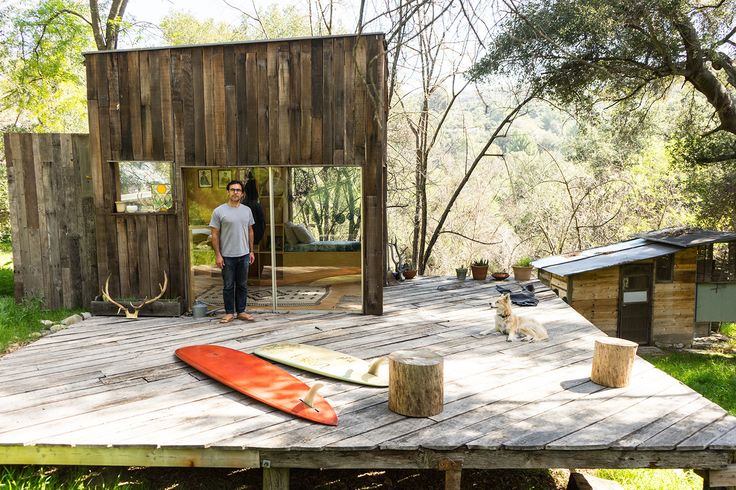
232,239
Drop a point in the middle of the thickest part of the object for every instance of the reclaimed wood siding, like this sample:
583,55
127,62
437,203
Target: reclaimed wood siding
595,296
52,214
673,309
299,102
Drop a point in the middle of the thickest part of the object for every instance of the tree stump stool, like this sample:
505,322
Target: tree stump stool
415,383
612,362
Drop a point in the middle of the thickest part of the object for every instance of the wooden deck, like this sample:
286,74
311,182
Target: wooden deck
109,391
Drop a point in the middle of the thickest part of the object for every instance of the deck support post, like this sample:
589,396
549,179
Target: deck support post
453,473
275,478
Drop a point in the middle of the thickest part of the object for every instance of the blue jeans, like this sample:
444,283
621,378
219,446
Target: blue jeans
235,278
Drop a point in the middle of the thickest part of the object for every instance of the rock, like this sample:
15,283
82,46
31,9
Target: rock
71,320
86,315
57,327
46,323
36,335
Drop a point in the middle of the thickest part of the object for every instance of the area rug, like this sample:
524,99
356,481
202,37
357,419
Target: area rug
261,295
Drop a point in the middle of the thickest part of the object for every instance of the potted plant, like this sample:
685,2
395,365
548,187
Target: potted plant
480,269
523,269
498,272
461,272
410,270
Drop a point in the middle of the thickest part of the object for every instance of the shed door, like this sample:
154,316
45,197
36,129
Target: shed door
635,298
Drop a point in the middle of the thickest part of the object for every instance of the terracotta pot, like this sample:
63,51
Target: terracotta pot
500,276
409,274
479,272
522,273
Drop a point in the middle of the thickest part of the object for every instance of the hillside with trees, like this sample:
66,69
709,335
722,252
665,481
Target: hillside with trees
515,128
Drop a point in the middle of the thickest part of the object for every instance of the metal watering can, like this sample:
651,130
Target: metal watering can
199,309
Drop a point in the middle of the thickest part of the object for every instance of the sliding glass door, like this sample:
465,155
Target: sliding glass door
309,255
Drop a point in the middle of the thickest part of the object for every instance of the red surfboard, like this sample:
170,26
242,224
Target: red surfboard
258,379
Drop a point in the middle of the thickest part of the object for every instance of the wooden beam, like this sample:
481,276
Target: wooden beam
129,456
723,478
497,459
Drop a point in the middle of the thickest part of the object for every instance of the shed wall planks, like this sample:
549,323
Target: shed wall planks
288,102
53,224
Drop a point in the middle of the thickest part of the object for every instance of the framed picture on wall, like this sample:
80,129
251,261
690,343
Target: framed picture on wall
223,177
204,178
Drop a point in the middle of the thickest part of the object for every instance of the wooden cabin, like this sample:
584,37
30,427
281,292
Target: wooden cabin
169,127
662,287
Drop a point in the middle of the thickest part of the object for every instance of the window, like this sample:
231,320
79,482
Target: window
664,268
143,186
717,262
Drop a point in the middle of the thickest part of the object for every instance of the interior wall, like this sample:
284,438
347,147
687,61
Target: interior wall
318,101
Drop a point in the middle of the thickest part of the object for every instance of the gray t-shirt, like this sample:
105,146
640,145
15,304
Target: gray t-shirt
233,224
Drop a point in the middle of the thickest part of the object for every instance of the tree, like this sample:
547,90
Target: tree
582,52
41,69
180,28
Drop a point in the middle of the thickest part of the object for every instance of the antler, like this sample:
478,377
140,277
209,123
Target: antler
156,298
132,311
106,296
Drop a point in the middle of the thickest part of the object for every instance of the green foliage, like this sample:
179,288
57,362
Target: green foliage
66,477
19,321
728,329
524,262
480,263
41,64
329,198
272,22
581,52
711,375
647,479
181,28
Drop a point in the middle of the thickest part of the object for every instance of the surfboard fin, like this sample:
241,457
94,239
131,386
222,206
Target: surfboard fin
308,399
376,364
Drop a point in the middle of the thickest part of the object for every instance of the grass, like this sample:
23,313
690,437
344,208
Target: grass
18,322
647,479
712,375
66,477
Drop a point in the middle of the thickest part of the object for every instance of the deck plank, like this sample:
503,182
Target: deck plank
115,385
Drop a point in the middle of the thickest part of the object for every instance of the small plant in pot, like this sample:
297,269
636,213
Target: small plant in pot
461,272
523,269
498,272
409,269
480,269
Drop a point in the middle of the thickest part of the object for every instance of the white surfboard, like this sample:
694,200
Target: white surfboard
326,362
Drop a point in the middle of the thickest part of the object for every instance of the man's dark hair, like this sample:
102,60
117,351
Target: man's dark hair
234,182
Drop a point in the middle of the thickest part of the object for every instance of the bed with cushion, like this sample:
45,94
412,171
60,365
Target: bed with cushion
302,249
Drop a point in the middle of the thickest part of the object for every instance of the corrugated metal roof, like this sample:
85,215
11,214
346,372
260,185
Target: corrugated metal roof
688,237
591,252
602,257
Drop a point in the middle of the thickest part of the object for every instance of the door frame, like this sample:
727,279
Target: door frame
650,297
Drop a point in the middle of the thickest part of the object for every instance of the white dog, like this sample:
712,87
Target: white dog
516,327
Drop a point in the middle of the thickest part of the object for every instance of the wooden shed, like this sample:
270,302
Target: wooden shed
170,126
663,287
